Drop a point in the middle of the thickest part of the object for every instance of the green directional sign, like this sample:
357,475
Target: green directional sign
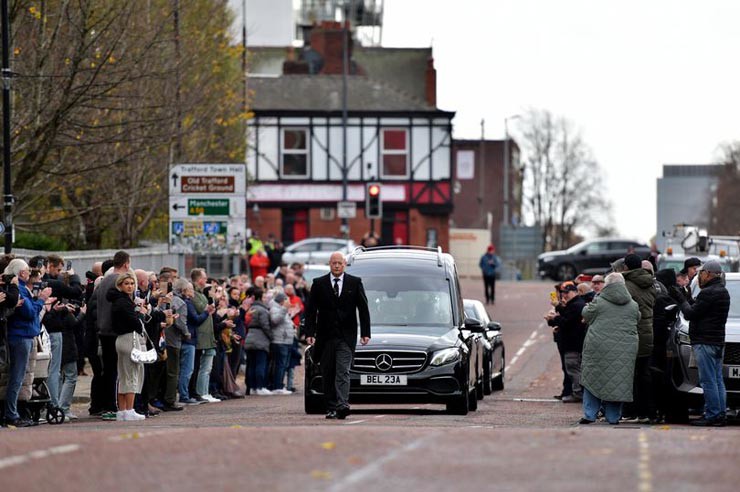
213,206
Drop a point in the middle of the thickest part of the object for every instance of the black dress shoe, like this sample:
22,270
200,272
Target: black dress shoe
331,415
171,408
585,421
702,422
343,413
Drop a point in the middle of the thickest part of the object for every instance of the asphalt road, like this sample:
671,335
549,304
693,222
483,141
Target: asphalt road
519,439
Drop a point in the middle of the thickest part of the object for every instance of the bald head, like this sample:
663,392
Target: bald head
337,263
142,279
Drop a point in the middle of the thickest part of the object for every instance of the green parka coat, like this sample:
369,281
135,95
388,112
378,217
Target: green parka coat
641,286
610,348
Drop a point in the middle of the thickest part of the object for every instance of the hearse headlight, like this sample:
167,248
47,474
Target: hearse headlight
445,356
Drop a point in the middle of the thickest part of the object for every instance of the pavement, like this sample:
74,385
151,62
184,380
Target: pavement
519,439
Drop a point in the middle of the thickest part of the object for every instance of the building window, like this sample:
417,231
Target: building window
294,146
394,153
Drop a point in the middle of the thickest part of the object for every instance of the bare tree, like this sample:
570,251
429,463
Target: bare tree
724,205
563,185
95,119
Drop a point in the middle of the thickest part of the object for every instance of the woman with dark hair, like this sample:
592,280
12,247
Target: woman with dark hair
127,317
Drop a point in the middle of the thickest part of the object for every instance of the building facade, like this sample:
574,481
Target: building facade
479,185
300,168
684,197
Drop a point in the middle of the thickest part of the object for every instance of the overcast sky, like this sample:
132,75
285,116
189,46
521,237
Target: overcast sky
648,82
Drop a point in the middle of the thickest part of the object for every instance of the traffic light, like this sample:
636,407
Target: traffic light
373,205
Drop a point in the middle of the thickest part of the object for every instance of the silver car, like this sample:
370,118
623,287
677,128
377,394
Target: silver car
316,250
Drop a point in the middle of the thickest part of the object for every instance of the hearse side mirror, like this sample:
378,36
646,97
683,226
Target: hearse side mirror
474,325
494,325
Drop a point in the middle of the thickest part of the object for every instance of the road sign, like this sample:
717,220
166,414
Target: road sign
207,236
208,179
182,207
346,210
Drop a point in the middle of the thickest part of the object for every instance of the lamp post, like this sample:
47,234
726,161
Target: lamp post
506,218
6,77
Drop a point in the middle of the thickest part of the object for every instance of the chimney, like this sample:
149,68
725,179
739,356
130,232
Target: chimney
430,83
326,39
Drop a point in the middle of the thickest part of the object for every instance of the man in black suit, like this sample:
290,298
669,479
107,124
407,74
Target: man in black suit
331,324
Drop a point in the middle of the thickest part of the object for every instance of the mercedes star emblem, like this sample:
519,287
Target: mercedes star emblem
383,362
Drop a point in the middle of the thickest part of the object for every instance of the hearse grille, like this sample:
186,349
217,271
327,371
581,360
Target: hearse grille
388,361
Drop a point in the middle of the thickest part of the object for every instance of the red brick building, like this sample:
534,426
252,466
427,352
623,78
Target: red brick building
479,185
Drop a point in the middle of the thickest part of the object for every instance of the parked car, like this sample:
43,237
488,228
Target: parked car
676,261
422,349
494,358
590,257
316,250
683,374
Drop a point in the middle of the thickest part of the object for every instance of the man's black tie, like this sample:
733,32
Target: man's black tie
336,287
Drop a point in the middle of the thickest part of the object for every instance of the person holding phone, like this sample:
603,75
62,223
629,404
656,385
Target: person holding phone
127,318
23,326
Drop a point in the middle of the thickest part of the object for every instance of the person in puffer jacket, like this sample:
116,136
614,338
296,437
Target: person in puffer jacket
257,345
282,341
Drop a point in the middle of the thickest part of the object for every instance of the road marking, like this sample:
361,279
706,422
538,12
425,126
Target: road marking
381,416
37,455
643,466
539,400
355,422
528,343
373,469
138,435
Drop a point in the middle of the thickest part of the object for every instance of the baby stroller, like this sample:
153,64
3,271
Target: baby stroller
33,398
40,400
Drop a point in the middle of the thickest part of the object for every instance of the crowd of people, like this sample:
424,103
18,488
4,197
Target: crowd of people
611,332
155,341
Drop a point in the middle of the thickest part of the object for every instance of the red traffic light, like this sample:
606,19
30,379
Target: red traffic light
373,190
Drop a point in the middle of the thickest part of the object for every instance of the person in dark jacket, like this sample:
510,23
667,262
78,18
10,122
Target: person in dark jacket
707,317
641,286
489,264
127,323
662,321
72,324
571,332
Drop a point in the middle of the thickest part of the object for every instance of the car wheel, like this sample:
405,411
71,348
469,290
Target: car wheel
498,382
566,271
458,406
487,370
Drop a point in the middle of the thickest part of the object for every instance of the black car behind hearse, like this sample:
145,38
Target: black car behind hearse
421,350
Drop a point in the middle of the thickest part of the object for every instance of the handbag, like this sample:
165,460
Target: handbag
139,356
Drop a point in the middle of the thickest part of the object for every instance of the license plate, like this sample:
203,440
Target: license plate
383,380
733,372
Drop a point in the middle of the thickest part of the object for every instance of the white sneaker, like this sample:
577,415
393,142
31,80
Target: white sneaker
263,392
131,415
210,399
281,391
121,415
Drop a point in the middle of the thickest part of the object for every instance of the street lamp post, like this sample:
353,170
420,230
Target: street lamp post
506,219
6,77
345,72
